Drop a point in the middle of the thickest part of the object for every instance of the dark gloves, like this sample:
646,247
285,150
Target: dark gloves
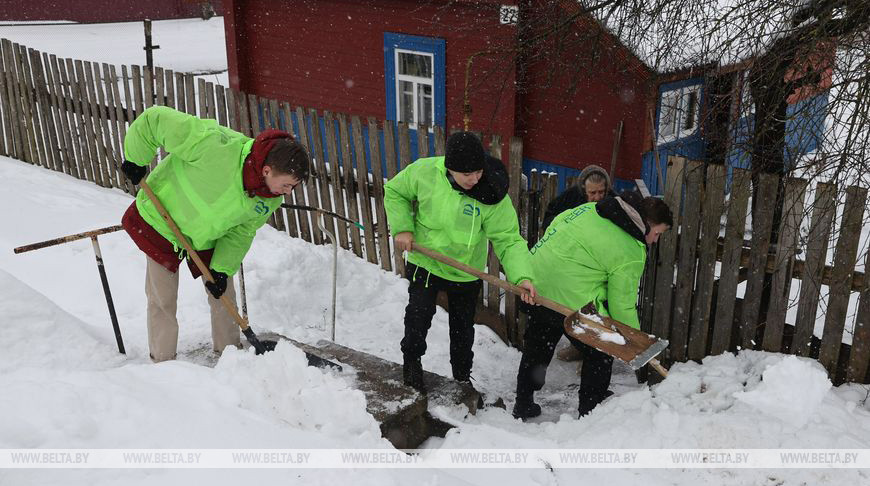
219,286
133,172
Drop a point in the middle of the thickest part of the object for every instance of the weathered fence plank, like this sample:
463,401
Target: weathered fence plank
53,130
390,156
667,251
87,124
13,97
110,160
77,168
845,256
493,265
383,232
762,223
814,264
31,153
136,76
6,147
422,141
859,357
48,137
786,247
349,186
735,227
362,173
289,214
689,231
440,143
310,230
404,145
515,171
713,207
323,186
58,98
169,87
180,90
335,179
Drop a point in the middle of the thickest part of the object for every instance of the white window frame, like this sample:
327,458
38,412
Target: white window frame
676,102
416,80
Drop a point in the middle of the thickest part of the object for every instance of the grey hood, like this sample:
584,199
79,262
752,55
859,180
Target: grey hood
592,169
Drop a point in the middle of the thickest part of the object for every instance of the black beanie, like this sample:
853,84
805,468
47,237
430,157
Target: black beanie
464,153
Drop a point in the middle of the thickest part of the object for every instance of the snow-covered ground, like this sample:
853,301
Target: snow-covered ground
65,386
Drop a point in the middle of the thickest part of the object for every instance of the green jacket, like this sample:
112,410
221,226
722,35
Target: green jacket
584,257
453,223
199,183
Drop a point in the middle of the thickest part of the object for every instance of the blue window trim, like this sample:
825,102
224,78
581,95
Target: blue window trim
674,85
432,45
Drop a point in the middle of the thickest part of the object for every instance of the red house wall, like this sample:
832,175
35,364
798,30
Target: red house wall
576,128
94,11
329,54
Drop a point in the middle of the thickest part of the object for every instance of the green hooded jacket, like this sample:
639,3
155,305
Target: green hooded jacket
199,183
422,201
584,257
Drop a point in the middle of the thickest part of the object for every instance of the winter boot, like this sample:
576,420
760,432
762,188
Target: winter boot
412,374
589,402
526,408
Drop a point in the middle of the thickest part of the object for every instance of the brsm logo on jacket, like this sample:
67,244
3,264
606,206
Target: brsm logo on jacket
469,210
261,208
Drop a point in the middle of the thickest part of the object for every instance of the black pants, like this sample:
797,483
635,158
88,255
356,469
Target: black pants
462,301
542,333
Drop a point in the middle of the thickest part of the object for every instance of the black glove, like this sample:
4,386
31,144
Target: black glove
219,286
133,172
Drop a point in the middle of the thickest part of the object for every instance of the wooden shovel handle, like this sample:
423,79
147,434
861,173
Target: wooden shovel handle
504,285
206,273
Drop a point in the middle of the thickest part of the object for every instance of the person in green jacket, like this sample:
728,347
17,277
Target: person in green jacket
590,257
219,187
453,205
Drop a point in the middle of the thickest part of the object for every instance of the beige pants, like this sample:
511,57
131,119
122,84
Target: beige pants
161,290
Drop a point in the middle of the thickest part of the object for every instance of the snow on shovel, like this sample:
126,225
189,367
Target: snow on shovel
625,343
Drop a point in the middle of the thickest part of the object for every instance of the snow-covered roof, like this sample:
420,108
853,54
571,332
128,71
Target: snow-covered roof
670,35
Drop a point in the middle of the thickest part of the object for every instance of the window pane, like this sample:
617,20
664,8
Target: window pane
424,100
415,65
668,113
690,110
406,101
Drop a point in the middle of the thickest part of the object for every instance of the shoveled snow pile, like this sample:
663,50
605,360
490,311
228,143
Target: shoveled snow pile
792,390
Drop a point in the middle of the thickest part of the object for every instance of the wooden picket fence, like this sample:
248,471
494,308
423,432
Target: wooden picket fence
686,300
71,116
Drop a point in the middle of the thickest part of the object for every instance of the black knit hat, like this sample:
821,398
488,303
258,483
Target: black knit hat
464,153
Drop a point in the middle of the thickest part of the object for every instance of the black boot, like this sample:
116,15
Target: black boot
589,402
526,408
412,374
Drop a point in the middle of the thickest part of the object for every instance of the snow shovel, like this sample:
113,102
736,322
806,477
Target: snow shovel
634,347
259,346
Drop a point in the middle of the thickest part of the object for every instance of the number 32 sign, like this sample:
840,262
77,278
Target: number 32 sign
507,14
